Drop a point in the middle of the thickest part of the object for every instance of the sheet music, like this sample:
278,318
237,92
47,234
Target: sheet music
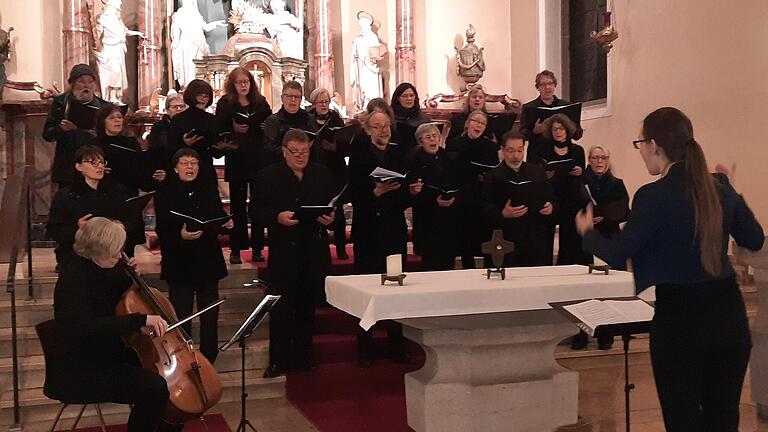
594,313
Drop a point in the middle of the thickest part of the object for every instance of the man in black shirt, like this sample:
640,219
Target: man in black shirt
290,116
533,128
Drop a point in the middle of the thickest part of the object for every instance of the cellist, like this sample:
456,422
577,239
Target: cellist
94,364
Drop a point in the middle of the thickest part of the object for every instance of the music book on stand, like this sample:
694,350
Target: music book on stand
254,319
608,317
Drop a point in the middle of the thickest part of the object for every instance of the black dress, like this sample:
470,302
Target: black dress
474,157
191,267
279,123
530,232
161,146
570,195
92,364
608,190
242,165
299,258
204,124
436,228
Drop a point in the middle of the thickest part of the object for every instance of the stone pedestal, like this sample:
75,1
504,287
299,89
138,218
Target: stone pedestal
491,372
151,18
76,32
405,50
758,362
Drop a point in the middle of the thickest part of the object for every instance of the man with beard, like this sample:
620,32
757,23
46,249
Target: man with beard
524,215
68,136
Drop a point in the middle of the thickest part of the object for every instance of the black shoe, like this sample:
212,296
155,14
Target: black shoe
257,256
273,371
579,341
235,259
605,346
341,253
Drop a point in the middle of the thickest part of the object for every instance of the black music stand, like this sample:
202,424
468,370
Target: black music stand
241,335
625,330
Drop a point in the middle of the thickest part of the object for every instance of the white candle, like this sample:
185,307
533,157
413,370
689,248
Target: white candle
394,265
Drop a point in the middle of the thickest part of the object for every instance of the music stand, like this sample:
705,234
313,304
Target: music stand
625,330
240,336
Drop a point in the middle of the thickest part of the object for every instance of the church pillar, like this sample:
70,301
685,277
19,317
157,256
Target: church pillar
405,51
323,57
76,29
758,362
151,17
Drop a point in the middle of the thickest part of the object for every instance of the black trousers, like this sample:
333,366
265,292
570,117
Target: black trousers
432,261
290,327
182,296
339,227
238,239
126,384
700,346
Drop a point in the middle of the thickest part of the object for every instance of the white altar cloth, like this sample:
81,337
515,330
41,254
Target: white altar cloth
465,292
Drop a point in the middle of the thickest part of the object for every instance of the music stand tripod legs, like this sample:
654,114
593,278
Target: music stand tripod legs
245,424
628,387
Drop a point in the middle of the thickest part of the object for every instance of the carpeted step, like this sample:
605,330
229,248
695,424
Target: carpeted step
329,320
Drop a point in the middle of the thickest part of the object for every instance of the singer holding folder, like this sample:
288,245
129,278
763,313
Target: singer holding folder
192,262
677,238
299,255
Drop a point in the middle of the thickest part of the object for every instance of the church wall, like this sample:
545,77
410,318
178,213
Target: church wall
36,43
706,58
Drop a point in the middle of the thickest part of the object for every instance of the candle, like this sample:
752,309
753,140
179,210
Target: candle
394,265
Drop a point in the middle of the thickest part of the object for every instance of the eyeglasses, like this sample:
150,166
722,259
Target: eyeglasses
381,128
296,153
482,122
598,158
430,136
322,102
95,162
291,97
636,143
243,82
188,163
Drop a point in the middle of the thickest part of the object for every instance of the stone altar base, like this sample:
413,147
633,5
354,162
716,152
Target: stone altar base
491,372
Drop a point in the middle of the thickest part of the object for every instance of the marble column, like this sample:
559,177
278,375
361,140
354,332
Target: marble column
758,362
151,19
76,29
323,57
405,51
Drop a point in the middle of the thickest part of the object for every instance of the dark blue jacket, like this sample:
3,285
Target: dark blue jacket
659,235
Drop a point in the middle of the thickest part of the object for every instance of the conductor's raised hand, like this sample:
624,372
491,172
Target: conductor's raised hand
585,220
155,326
190,140
327,219
546,209
190,235
511,211
285,218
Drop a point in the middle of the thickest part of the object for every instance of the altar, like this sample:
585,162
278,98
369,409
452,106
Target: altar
489,344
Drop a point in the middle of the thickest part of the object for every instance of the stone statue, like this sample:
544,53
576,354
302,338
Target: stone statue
469,59
5,55
110,53
287,30
365,69
248,18
188,40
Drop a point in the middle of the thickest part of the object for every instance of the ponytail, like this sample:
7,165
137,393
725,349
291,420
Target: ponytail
707,211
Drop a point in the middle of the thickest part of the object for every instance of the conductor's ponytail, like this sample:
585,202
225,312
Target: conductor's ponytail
673,132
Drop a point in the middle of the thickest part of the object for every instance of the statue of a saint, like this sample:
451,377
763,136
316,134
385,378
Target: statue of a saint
247,17
287,30
112,33
188,40
469,59
365,69
5,55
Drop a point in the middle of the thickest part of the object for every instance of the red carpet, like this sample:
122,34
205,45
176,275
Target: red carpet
215,423
340,396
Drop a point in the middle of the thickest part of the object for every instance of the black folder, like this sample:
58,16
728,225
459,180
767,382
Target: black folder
532,194
562,168
135,206
311,213
196,224
83,115
573,111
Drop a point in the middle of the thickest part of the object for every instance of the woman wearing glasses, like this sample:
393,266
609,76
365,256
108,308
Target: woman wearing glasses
677,237
240,112
192,262
86,197
161,149
611,201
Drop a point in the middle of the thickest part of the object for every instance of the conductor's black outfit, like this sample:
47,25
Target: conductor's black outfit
191,267
700,341
299,258
92,362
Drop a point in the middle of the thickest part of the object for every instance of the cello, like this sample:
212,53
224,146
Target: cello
193,383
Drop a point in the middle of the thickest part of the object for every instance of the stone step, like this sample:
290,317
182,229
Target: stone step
36,407
32,368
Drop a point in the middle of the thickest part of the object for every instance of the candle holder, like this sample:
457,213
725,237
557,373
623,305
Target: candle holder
398,278
501,271
600,268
